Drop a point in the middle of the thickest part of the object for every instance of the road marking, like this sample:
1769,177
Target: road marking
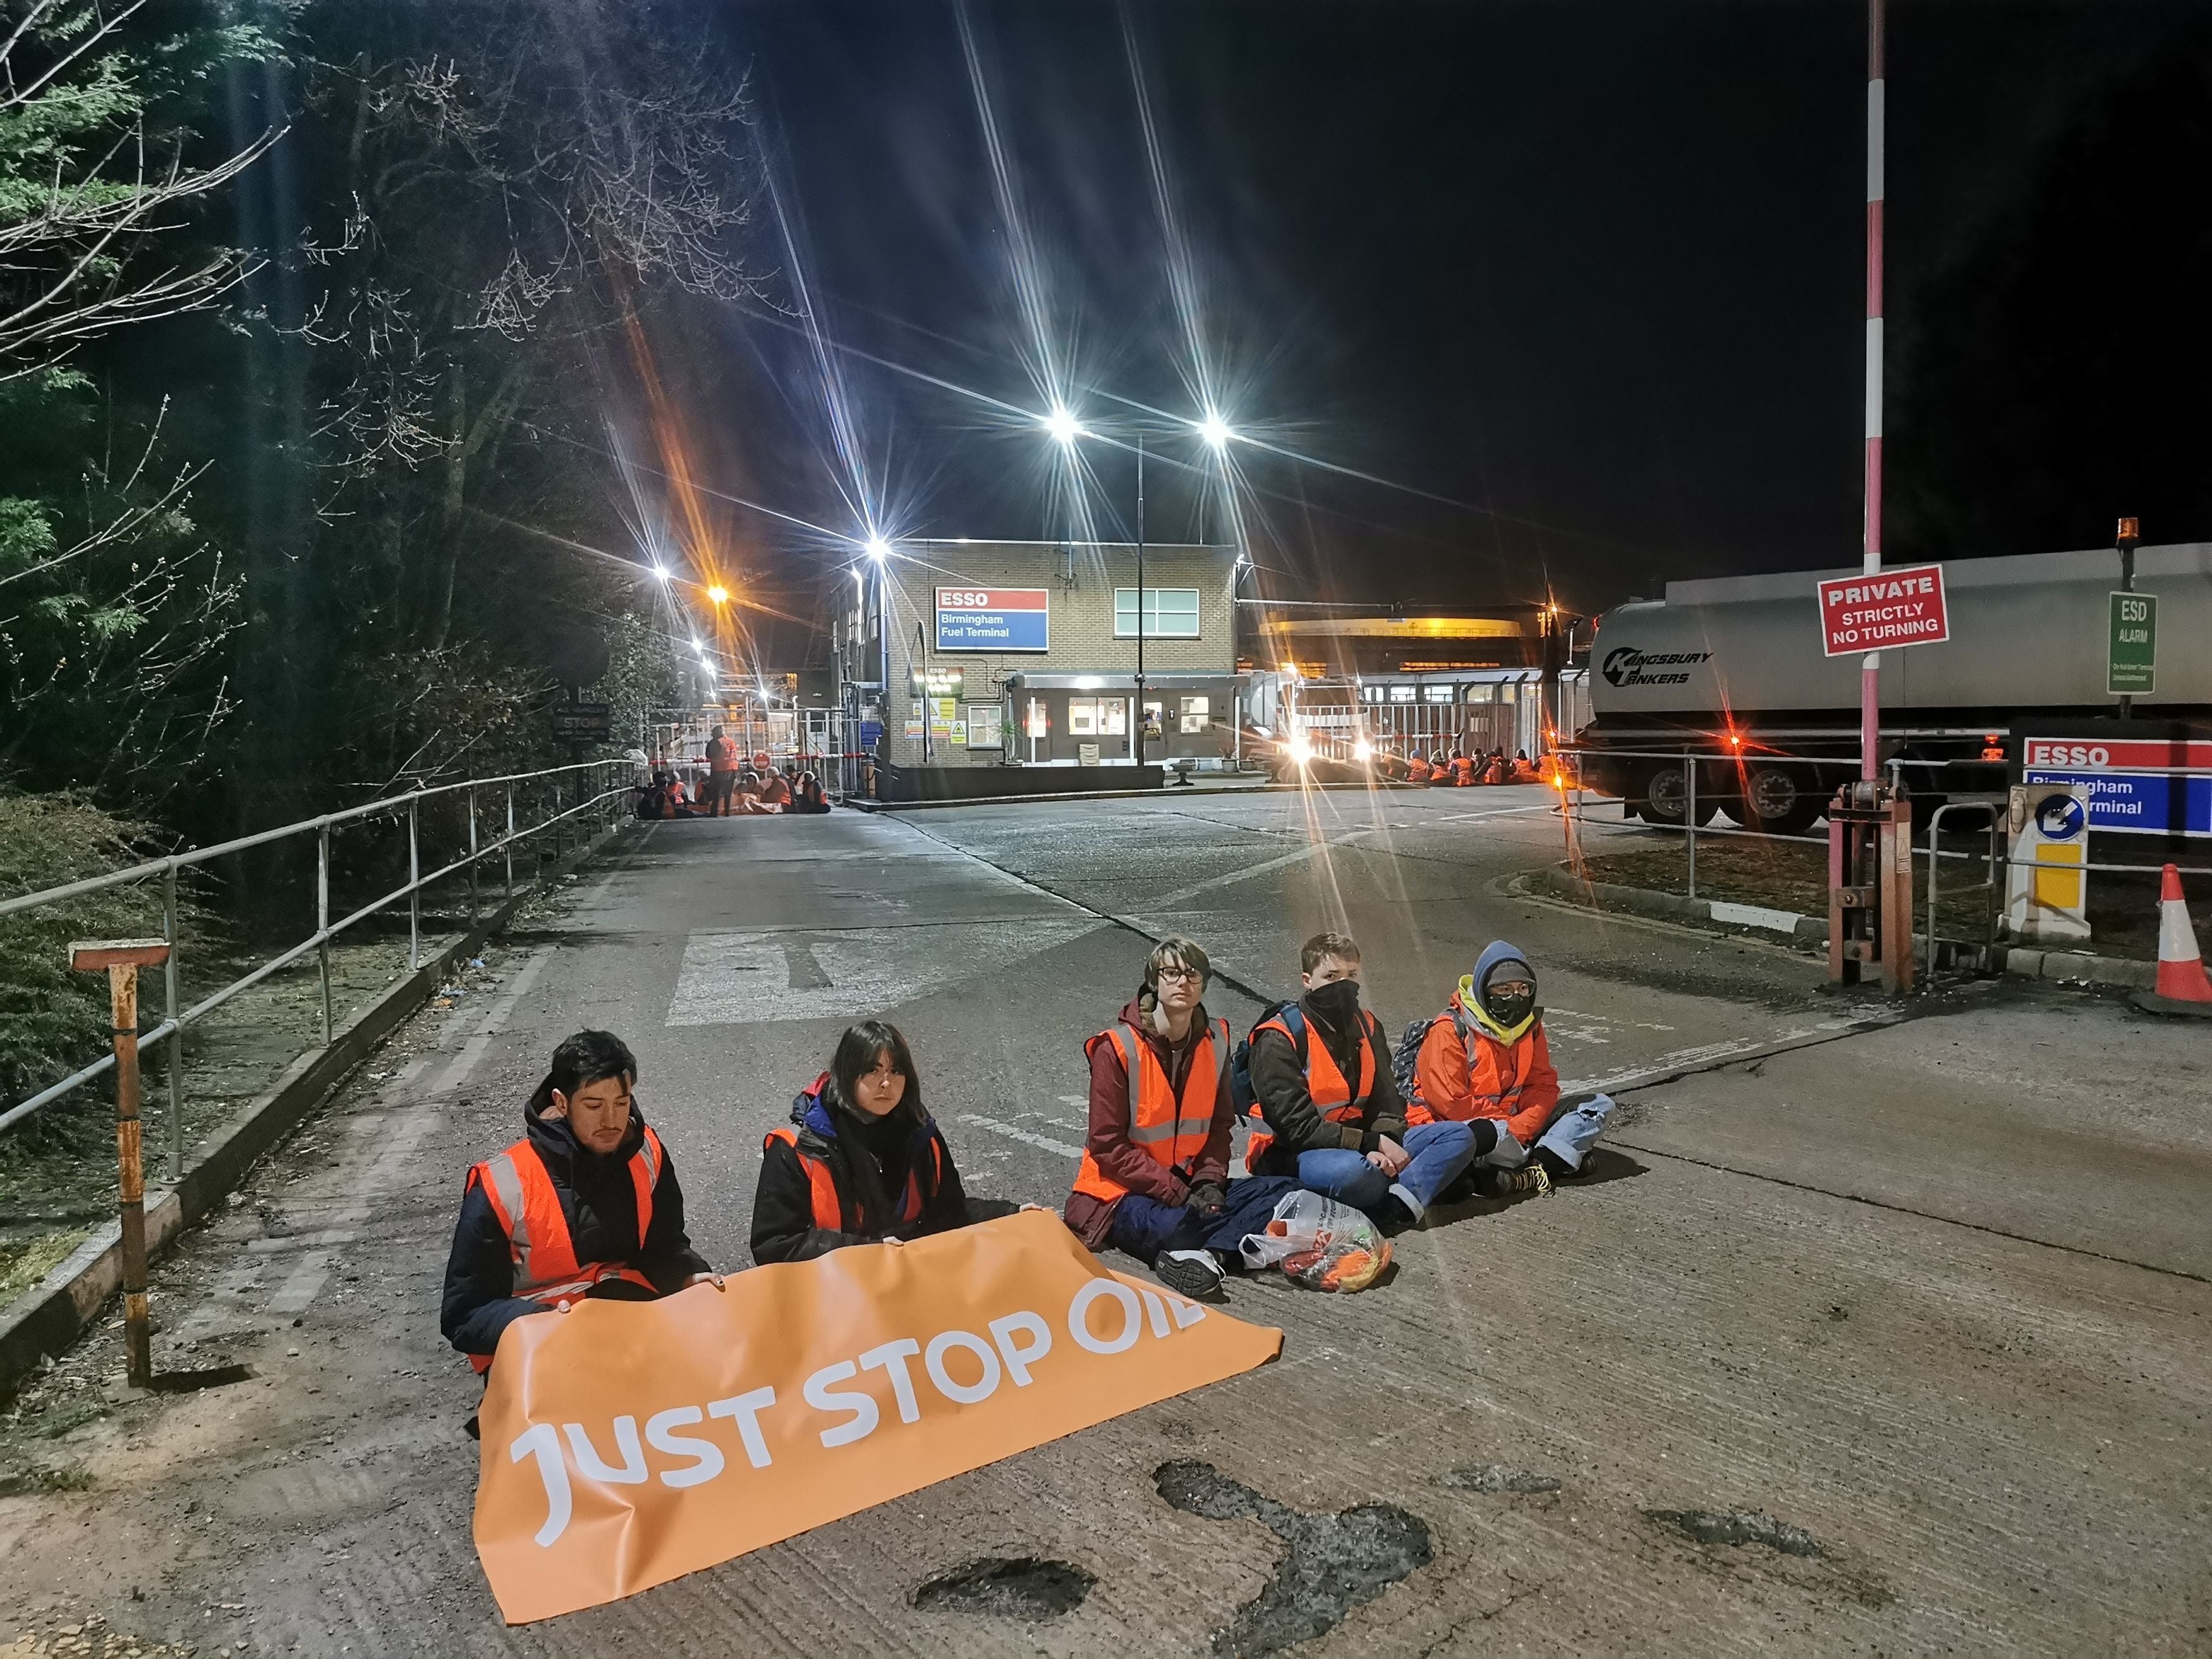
746,976
502,1011
1493,812
1706,1056
301,1285
1182,896
1022,1135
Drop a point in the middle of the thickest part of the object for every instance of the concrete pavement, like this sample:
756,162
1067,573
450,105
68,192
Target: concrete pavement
1932,1294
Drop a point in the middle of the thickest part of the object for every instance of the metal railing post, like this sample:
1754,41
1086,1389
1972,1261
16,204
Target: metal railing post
510,843
473,856
175,1052
1690,818
323,922
413,889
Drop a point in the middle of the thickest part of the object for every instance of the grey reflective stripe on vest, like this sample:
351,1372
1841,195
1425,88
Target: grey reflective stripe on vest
506,1186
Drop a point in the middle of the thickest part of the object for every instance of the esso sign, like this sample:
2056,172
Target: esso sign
2042,752
963,599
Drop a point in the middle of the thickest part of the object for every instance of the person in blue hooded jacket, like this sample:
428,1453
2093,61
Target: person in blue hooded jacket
861,1161
1485,1062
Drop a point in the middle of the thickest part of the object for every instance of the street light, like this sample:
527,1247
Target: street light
1064,429
718,594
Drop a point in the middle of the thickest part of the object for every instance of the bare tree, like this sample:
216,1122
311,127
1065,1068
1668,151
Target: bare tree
85,198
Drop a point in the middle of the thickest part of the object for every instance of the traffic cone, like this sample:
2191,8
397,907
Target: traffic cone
2183,986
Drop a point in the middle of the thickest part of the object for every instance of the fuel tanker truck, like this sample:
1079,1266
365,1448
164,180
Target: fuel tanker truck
1730,671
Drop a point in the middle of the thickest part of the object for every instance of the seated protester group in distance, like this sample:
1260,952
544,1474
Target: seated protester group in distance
585,1203
1154,1180
861,1160
1326,1108
1485,1063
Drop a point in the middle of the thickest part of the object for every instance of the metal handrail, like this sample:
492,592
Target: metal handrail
173,1026
261,838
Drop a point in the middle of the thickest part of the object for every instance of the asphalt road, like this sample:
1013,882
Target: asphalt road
1923,1294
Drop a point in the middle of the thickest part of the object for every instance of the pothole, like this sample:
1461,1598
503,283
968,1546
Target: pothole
1018,1587
1497,1477
1331,1563
1739,1527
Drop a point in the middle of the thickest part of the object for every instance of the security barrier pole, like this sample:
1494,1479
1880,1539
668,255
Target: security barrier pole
1870,885
122,958
510,843
472,855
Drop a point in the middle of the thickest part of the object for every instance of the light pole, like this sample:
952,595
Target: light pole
879,554
1065,430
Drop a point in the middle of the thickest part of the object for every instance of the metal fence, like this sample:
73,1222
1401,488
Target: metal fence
598,786
1996,859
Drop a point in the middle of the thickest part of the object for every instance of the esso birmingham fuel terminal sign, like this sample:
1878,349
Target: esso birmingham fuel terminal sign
1882,611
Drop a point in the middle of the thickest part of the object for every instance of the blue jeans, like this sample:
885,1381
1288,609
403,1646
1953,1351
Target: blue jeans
1440,1151
1145,1226
1569,1136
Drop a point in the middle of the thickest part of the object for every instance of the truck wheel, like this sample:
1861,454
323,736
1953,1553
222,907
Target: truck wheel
1780,801
1664,797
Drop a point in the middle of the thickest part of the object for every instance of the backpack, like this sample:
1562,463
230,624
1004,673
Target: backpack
1406,1058
1240,1068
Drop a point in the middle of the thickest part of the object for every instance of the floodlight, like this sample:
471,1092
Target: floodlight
1215,431
878,549
1062,426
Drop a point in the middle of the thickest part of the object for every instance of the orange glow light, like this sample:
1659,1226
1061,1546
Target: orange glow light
720,594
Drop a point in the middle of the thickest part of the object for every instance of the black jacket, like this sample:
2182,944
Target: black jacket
869,1192
600,1204
1279,1083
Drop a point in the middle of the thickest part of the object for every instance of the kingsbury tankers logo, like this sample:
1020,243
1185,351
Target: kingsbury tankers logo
1626,666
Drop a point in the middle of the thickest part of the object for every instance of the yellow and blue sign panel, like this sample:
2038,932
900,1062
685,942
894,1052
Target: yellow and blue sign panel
2125,793
993,619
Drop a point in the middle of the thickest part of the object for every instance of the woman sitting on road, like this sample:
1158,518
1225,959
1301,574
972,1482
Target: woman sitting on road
861,1161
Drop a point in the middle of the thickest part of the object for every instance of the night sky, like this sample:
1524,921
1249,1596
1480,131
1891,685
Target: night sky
1593,270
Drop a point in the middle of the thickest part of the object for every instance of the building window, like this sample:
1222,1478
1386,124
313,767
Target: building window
1436,694
1481,694
1170,613
1402,694
1194,714
1094,717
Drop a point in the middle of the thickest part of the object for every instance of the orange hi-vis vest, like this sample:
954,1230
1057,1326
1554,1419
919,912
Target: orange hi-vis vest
528,1206
1159,1124
821,1183
1337,1101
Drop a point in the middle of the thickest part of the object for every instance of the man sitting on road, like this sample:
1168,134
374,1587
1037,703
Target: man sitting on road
1329,1111
1154,1180
585,1203
1485,1062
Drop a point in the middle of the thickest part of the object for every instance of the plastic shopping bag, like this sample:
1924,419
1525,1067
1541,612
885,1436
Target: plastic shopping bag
1319,1243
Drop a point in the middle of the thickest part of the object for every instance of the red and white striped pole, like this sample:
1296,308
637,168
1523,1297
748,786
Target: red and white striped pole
1870,665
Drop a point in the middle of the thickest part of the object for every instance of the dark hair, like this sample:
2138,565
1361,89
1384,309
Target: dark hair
1321,946
858,1053
587,1058
1174,952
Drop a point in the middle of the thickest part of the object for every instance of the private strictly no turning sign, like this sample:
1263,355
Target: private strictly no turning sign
1884,610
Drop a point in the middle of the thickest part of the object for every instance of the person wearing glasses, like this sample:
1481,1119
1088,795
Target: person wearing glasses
1154,1181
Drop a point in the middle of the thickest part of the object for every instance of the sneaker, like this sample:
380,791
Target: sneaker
1511,1183
1194,1274
1391,1217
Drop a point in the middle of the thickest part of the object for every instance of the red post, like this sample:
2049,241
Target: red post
1870,665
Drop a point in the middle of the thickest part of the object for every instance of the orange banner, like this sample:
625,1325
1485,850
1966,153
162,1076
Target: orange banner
626,1444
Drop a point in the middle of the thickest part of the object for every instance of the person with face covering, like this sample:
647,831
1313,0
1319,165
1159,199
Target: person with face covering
1154,1181
861,1160
1328,1110
1486,1062
585,1205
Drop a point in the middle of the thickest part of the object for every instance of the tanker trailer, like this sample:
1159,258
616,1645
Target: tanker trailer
1731,671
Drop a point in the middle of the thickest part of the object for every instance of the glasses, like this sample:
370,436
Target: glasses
1166,974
